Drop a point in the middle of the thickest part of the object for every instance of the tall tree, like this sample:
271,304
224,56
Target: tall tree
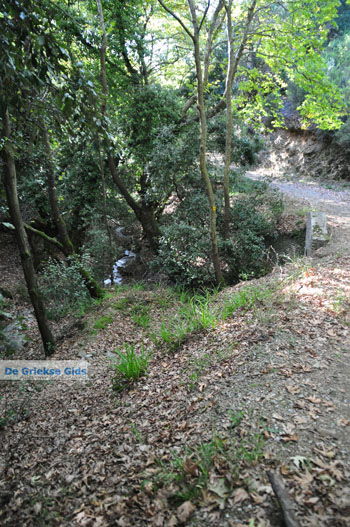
10,183
263,29
25,57
233,60
198,22
144,211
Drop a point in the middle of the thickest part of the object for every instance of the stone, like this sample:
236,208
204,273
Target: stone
12,338
316,232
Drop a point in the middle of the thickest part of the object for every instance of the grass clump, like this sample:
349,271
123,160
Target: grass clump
135,286
245,298
103,322
122,303
199,314
191,471
6,418
140,315
172,335
195,314
131,366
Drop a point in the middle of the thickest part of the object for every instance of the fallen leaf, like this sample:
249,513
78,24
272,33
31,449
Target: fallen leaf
324,452
240,495
158,521
190,467
293,437
304,480
257,498
277,417
184,511
289,429
343,422
284,470
299,461
301,404
312,501
292,388
172,522
314,400
37,507
299,420
219,487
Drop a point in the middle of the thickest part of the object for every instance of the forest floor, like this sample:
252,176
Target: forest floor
191,443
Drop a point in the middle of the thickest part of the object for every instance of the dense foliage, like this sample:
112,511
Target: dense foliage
117,109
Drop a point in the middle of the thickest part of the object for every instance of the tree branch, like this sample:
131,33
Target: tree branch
215,23
177,18
287,505
42,234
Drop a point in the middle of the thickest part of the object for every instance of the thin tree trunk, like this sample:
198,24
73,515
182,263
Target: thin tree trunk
229,122
204,169
10,183
144,214
67,246
233,62
203,150
60,225
110,258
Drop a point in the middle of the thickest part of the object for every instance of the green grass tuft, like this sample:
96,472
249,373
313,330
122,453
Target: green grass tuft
103,322
131,366
245,298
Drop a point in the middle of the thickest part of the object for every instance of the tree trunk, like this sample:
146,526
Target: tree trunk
92,286
203,131
229,122
233,62
10,183
60,225
203,164
150,227
110,255
144,214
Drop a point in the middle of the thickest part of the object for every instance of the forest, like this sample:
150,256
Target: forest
160,163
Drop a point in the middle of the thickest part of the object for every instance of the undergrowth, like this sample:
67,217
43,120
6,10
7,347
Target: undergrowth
187,313
103,322
214,466
205,311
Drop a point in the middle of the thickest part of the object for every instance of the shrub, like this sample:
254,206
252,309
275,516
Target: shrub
63,288
5,344
185,251
97,249
253,221
12,331
184,255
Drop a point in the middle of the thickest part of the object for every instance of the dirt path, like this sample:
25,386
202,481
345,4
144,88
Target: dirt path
334,202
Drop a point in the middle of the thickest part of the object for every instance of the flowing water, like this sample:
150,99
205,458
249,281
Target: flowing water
118,265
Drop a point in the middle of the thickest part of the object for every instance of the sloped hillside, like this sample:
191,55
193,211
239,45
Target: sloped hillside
252,380
306,154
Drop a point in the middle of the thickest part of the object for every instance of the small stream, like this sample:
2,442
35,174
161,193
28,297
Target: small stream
118,265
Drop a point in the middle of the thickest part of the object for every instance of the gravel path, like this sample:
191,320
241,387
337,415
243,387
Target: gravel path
335,203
